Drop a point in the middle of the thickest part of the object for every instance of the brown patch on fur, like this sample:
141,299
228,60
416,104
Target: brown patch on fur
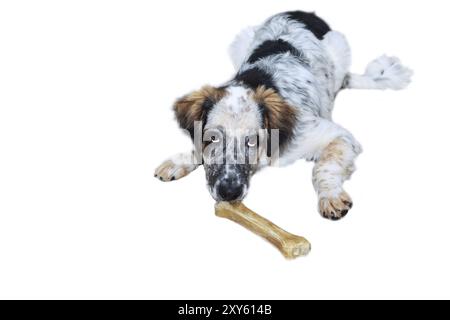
190,108
278,114
334,152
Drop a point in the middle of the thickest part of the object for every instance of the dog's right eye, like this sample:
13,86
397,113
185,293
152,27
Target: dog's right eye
214,139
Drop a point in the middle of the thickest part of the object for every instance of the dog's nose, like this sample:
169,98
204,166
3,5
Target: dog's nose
229,189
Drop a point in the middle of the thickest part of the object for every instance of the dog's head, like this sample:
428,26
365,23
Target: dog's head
235,131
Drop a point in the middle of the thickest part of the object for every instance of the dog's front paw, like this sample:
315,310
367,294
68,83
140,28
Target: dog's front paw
335,207
175,168
169,171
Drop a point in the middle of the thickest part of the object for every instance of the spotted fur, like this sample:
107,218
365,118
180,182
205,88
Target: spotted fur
289,71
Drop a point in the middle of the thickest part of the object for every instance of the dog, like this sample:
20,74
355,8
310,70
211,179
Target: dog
289,71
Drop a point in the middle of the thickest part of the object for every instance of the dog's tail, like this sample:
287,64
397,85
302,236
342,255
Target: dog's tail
382,73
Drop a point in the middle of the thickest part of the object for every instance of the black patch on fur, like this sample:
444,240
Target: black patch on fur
312,22
263,110
273,47
283,137
207,107
255,77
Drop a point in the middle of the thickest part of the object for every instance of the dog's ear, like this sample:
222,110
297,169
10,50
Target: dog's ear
195,106
277,113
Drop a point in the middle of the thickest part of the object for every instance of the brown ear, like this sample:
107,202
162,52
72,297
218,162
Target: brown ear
195,106
277,114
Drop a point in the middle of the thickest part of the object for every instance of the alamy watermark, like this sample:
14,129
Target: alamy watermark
222,146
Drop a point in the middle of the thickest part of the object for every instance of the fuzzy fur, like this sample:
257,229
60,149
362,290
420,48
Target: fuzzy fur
289,71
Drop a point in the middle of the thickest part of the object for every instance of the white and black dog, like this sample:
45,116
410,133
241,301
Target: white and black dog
289,71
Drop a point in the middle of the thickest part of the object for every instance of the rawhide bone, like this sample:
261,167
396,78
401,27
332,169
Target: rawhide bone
290,245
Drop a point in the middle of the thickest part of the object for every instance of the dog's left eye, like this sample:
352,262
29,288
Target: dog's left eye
214,139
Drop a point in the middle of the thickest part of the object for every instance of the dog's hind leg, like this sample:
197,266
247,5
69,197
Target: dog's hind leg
240,46
338,49
176,167
382,73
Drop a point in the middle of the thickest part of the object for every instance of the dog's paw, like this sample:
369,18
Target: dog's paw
169,171
335,207
174,168
389,73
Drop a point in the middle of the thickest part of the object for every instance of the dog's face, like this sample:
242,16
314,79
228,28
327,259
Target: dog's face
225,124
230,150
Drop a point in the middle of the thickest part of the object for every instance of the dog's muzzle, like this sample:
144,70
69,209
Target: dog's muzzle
227,182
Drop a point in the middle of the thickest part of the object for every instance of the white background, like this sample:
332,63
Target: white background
86,89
